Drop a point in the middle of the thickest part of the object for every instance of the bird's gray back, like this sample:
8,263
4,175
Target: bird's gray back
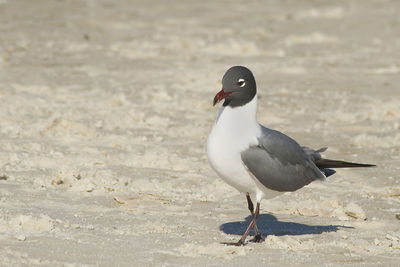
279,162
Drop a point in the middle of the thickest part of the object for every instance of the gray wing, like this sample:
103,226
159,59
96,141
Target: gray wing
279,163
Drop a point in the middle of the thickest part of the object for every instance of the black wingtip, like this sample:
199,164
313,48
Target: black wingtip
329,163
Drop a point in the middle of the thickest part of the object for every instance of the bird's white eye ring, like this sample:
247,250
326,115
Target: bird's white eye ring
241,82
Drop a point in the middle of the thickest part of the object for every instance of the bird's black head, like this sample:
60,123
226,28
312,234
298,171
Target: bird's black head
238,87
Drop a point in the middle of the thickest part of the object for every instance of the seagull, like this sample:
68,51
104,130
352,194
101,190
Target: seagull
256,160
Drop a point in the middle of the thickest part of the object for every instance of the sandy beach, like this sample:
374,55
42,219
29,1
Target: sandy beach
106,107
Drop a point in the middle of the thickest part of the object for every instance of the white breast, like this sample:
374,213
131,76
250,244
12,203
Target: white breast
234,131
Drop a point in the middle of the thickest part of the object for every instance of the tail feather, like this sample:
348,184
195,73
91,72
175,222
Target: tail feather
328,172
329,163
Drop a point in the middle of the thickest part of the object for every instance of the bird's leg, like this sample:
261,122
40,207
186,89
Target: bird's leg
257,236
241,242
251,209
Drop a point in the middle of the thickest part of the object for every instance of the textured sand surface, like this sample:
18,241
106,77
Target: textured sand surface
106,107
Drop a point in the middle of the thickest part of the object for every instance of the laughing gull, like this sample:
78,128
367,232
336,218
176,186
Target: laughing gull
254,159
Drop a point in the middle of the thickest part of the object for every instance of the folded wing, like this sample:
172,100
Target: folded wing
279,163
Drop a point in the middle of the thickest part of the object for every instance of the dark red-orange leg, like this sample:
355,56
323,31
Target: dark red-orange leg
242,240
257,236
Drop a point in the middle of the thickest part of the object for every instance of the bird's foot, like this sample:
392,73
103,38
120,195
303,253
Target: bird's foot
257,239
237,244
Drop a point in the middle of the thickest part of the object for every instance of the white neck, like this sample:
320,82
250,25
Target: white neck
235,130
239,122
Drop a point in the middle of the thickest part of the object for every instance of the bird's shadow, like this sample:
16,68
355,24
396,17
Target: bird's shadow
269,225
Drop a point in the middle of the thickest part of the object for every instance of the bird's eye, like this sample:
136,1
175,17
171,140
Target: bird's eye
241,82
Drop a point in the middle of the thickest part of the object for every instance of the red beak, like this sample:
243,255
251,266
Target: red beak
220,95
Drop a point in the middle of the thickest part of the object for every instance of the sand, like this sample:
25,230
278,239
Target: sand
106,107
